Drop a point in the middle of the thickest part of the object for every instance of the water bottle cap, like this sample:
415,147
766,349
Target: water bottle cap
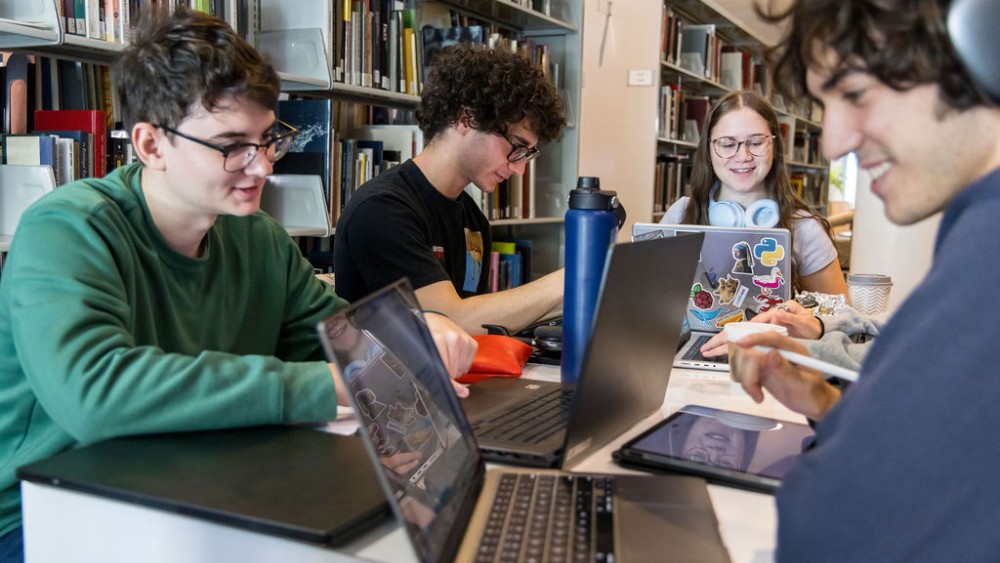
588,195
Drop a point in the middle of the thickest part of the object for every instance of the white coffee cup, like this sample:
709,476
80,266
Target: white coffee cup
739,330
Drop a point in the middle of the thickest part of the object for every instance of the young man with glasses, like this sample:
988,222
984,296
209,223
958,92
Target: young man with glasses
484,113
159,298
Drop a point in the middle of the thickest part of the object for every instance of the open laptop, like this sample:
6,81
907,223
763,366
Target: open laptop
286,481
743,271
452,509
624,374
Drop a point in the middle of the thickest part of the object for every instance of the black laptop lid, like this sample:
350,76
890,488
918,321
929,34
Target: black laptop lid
631,350
294,482
418,434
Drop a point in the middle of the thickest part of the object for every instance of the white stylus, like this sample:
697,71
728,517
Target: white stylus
810,362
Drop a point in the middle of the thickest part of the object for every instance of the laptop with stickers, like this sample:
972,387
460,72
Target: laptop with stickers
743,271
425,455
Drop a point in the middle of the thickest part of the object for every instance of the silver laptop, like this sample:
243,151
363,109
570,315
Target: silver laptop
623,377
427,460
743,271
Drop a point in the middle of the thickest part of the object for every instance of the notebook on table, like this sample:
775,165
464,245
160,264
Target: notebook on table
623,376
743,271
452,509
279,480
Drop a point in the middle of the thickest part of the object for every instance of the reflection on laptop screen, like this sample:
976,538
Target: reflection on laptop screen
427,455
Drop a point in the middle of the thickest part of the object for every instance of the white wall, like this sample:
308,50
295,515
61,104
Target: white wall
880,247
617,121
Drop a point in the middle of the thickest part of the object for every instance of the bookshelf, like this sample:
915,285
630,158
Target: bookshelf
305,40
731,58
626,145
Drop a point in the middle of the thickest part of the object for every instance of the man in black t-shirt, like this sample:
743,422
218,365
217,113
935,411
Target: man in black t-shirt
483,114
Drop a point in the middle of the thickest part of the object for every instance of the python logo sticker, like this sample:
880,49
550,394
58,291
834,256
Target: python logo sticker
768,252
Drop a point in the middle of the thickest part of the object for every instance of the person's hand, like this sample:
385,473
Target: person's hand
456,347
803,390
716,346
794,317
401,462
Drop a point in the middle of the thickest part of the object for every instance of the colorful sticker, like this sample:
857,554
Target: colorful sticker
701,298
730,317
704,316
731,292
744,258
768,252
726,291
772,281
766,301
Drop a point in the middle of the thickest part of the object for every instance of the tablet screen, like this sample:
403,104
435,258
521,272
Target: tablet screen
726,445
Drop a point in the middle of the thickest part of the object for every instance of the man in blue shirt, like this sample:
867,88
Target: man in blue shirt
904,464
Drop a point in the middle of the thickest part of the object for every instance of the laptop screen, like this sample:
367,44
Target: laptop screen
417,434
743,271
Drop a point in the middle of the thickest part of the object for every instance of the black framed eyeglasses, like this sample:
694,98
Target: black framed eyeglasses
519,152
238,156
728,147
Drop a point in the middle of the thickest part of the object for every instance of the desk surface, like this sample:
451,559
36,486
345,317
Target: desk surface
63,525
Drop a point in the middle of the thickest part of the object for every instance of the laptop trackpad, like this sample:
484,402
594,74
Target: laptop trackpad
671,514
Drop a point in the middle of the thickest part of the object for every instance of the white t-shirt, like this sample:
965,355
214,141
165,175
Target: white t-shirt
812,249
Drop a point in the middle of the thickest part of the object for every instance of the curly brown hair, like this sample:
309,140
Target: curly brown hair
494,87
902,43
778,185
178,61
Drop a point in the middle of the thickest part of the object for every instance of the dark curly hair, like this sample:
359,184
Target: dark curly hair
777,182
902,43
494,87
176,62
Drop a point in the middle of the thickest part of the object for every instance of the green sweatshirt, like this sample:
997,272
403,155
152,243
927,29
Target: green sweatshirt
105,331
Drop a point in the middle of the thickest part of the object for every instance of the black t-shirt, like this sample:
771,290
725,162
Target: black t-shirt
398,225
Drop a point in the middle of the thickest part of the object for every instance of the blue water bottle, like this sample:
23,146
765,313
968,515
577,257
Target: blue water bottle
592,224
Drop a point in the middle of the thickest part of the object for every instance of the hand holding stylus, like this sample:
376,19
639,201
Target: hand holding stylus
798,387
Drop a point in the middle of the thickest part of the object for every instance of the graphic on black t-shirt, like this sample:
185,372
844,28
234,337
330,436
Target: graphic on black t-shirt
473,259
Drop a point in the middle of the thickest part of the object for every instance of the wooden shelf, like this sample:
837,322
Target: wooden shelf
509,14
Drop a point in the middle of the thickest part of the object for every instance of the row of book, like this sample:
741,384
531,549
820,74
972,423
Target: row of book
698,48
510,264
75,143
670,180
112,20
681,116
344,159
810,187
514,198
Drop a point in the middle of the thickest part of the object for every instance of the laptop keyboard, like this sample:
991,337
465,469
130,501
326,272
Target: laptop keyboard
550,518
532,421
694,352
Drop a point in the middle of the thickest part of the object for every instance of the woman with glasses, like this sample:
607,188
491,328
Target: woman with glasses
739,179
483,113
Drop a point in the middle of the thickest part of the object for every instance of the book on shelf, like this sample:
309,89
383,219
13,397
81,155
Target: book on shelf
31,149
696,109
698,49
90,121
313,150
81,142
18,92
407,139
436,38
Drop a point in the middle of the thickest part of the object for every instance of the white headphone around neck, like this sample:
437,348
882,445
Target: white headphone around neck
761,213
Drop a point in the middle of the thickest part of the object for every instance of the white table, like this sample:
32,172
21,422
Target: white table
62,525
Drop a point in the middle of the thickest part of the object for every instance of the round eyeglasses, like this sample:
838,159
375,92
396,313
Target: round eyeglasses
238,156
519,152
728,147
